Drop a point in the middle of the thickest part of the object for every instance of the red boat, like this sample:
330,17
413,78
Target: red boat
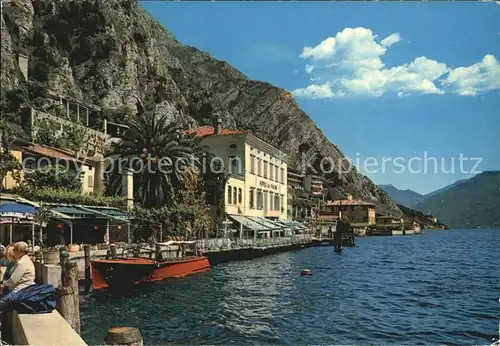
128,271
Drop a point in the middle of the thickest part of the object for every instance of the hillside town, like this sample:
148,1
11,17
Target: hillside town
262,195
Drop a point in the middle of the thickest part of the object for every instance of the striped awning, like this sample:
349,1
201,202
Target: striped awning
267,223
248,223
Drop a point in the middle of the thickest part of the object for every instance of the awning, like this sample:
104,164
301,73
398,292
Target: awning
265,222
111,212
74,212
294,224
246,222
16,212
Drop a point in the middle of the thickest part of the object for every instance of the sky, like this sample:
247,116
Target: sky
409,91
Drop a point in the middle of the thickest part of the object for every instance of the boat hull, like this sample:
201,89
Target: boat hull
126,272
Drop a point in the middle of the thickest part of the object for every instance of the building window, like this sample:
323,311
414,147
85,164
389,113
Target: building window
266,207
229,194
282,176
276,175
271,171
259,167
240,196
276,202
281,200
90,181
252,164
251,199
235,195
265,169
235,165
259,199
271,200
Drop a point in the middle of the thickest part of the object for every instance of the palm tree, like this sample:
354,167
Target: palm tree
157,151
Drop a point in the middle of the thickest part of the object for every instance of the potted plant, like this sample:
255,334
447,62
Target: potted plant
51,255
73,248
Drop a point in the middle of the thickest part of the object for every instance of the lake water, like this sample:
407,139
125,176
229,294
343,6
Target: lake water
436,288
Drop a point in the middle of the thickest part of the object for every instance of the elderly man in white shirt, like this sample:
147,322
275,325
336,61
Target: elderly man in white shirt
22,276
24,271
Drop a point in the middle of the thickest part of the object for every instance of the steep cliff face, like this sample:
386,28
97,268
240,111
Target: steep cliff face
112,52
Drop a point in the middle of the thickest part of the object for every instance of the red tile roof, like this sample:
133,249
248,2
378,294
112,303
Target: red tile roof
209,130
51,152
47,151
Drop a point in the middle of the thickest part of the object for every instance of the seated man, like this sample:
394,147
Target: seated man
23,274
9,267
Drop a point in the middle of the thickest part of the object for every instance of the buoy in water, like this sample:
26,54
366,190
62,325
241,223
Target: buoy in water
306,272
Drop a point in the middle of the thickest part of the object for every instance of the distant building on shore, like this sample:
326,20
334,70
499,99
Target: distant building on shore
358,211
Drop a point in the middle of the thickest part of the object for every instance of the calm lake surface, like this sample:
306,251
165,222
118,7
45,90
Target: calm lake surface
436,288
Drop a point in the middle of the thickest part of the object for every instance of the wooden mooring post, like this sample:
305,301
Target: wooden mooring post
86,252
68,302
124,336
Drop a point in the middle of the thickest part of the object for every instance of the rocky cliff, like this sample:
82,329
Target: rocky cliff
112,52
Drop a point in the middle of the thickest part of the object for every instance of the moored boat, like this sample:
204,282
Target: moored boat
128,271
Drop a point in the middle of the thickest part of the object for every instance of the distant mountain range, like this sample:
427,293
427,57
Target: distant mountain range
467,203
408,198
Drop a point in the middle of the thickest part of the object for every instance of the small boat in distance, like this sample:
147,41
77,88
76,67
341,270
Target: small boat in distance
123,272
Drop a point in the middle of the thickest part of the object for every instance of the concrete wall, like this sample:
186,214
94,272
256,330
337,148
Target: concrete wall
43,329
87,179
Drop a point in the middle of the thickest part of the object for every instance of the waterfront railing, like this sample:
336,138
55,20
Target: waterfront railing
224,244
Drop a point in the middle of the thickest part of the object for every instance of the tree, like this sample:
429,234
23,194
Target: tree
56,176
9,164
158,152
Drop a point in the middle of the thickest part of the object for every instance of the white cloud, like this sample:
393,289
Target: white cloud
390,40
314,91
476,79
351,64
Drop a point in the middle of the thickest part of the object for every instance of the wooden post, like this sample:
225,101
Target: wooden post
68,303
86,252
158,255
112,248
124,336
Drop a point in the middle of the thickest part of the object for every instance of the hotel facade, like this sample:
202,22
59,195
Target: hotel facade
257,182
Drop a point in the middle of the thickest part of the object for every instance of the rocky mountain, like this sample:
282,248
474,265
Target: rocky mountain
112,53
444,189
474,203
408,198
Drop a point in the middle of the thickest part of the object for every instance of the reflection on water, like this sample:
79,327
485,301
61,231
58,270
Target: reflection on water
441,287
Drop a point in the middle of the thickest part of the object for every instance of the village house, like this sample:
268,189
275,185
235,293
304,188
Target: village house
389,220
358,211
313,184
36,156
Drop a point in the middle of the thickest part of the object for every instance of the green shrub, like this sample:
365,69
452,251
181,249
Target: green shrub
53,195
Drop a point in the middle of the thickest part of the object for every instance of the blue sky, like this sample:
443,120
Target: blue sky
382,80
